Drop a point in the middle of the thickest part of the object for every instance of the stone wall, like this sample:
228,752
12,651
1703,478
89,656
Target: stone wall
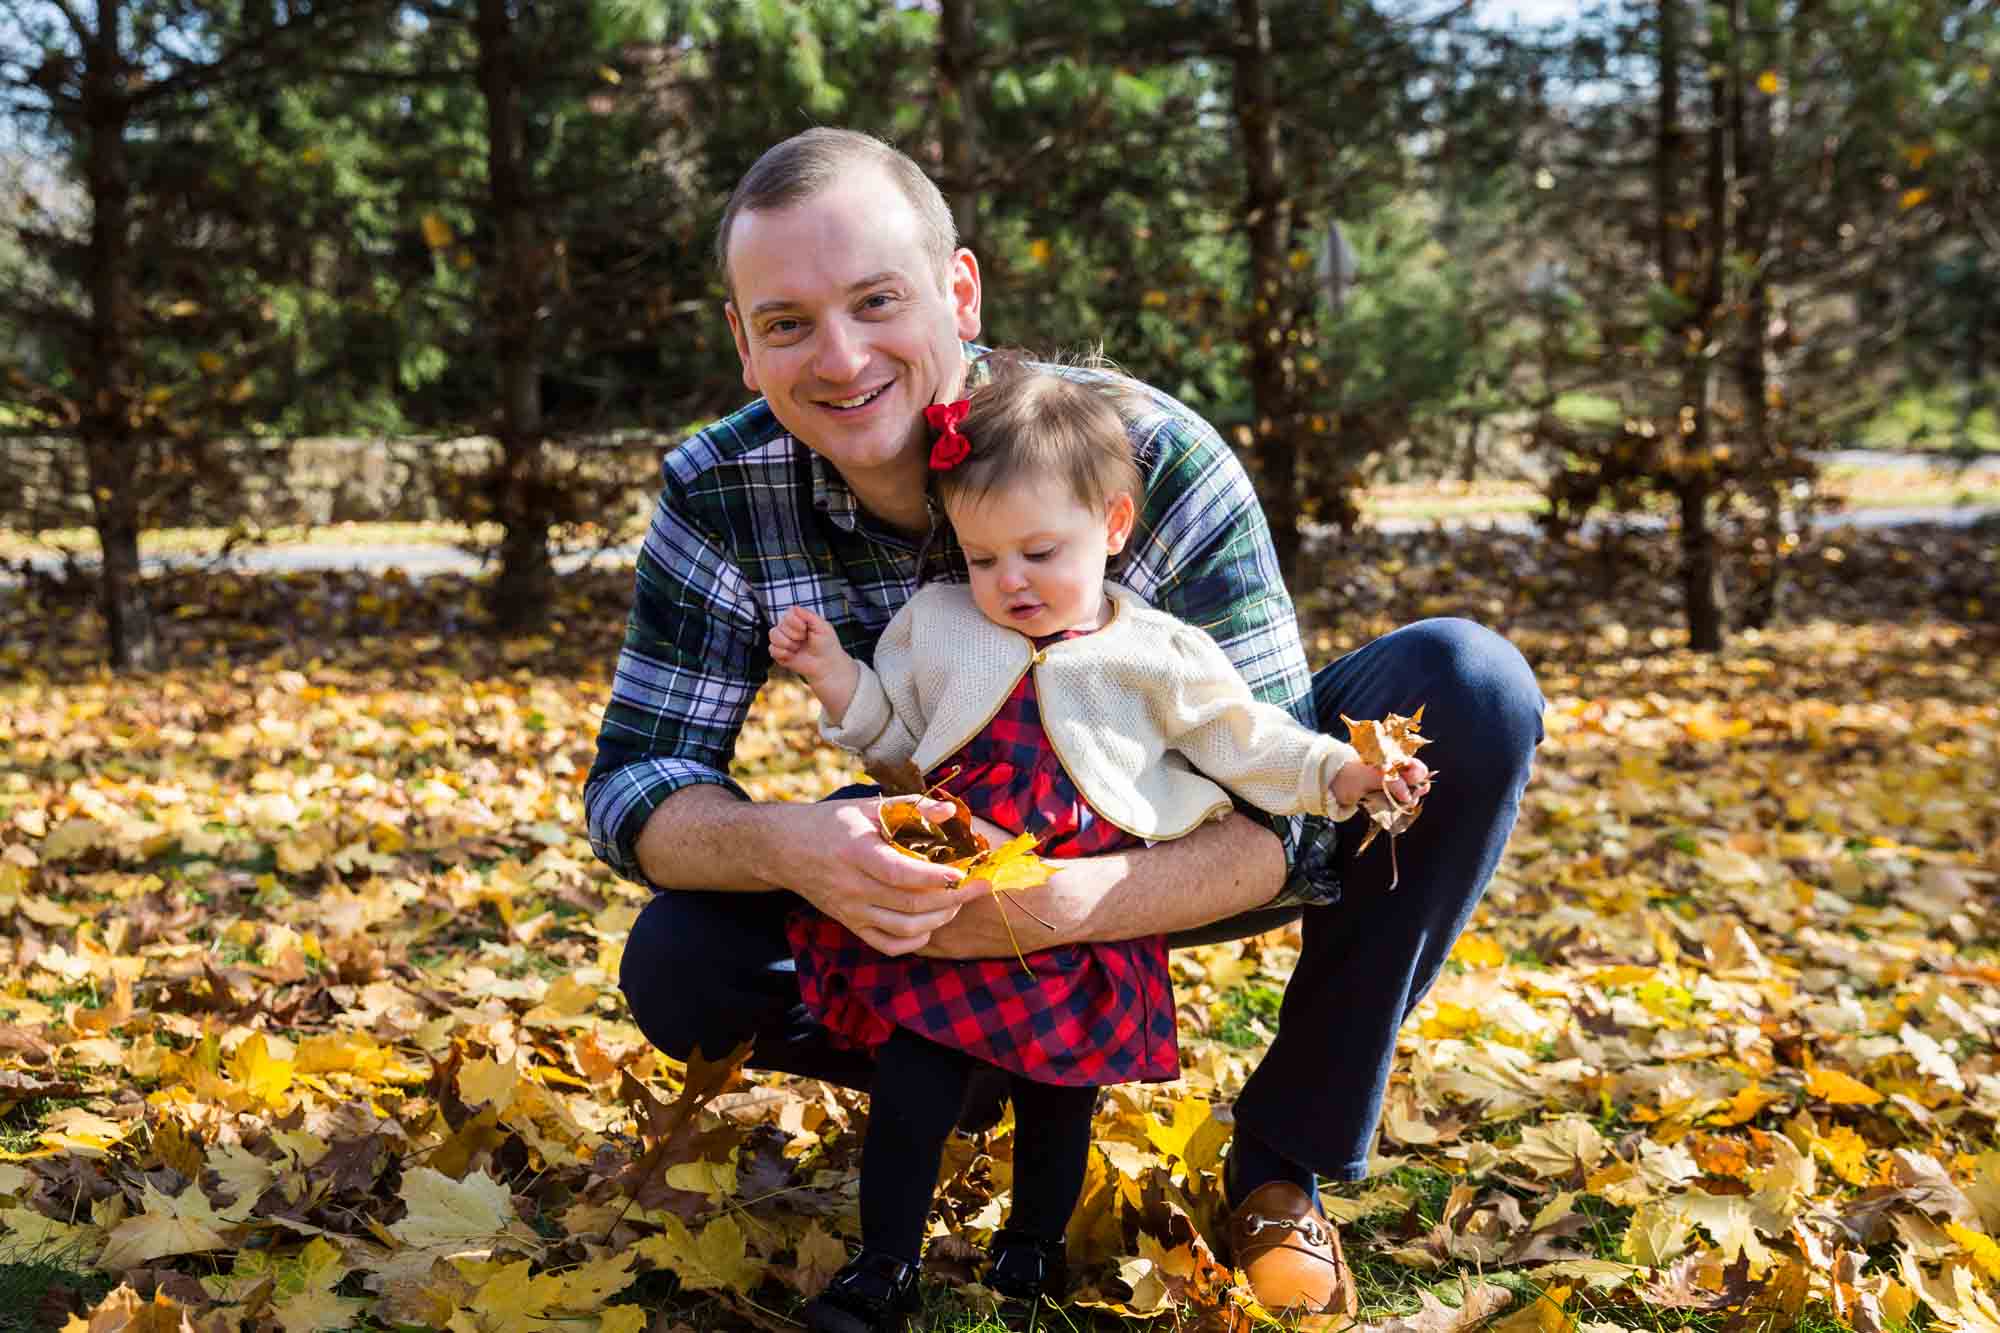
267,482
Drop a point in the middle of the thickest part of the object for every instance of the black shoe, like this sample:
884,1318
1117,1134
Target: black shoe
1025,1271
985,1100
872,1293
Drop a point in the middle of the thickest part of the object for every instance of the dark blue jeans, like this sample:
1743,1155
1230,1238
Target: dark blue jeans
707,970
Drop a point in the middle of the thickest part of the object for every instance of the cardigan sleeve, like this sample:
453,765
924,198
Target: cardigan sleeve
1257,750
878,724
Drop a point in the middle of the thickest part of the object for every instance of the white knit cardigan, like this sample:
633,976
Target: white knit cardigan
1133,710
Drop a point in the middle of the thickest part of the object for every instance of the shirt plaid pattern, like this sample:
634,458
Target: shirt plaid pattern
1079,1016
750,522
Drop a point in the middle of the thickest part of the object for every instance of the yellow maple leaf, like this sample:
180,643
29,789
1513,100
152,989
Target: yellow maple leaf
1546,1315
260,1073
623,1319
176,1224
474,1213
29,1232
713,1261
1173,1137
1846,1152
437,232
1010,866
1745,1105
715,1179
487,1082
82,1133
820,1255
1985,1253
511,1299
1477,951
1838,1089
1450,1020
317,1311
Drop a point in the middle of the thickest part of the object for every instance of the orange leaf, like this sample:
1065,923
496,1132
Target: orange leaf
1838,1089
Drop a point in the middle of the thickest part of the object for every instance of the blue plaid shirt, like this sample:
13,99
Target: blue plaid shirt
751,522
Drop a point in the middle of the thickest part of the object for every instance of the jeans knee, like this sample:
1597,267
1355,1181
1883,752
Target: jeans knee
659,1008
670,988
1481,680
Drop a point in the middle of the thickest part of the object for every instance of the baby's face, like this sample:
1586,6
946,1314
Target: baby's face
1037,554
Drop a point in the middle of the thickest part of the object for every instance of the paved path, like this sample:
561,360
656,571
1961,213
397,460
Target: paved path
423,561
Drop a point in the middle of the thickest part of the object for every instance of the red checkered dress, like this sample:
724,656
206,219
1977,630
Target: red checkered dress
1083,1015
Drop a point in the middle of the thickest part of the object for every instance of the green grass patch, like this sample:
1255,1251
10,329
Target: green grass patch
1934,420
1247,1016
34,1284
1589,409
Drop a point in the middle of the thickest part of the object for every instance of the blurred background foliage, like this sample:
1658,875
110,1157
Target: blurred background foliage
1655,255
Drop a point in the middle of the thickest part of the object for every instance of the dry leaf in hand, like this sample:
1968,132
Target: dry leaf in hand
1008,868
1387,745
908,831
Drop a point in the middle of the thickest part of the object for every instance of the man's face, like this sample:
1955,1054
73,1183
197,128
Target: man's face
844,323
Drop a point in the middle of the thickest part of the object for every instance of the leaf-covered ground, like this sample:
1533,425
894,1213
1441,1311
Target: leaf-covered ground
308,1015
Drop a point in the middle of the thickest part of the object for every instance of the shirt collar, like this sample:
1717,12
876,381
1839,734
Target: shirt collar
831,494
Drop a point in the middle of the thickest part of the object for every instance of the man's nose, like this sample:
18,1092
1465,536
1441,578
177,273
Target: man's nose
840,355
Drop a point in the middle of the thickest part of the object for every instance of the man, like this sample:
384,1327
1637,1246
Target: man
851,305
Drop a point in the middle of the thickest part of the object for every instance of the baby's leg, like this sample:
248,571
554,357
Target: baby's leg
1051,1152
918,1091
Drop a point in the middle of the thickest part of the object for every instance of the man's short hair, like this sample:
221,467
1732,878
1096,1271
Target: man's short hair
800,167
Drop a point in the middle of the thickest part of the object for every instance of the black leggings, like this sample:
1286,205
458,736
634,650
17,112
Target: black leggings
918,1093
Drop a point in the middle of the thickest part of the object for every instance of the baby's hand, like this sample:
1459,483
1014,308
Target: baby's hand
1406,785
805,642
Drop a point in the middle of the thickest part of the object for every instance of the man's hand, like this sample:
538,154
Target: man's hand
1218,870
833,855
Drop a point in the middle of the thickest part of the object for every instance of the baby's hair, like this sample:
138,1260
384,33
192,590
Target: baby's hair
1031,421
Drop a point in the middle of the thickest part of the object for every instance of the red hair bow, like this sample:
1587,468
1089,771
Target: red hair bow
951,448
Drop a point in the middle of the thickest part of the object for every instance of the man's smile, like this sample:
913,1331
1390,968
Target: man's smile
858,400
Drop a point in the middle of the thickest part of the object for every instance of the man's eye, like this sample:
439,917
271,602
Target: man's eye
782,328
877,301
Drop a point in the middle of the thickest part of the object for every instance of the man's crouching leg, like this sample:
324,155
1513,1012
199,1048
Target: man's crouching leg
707,971
1311,1107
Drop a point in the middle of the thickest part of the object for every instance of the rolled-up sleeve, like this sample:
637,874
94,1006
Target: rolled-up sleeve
696,652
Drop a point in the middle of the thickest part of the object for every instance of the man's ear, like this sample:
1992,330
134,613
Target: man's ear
962,285
742,345
1119,512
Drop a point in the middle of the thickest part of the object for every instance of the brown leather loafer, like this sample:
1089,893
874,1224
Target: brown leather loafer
1290,1254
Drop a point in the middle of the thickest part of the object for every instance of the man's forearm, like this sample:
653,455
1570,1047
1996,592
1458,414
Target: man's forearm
1217,871
704,837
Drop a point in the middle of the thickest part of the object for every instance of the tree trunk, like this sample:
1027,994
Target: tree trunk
1691,461
1750,129
1701,581
1701,571
105,424
525,586
1267,214
958,113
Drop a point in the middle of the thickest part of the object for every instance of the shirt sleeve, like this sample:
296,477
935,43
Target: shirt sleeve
696,652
